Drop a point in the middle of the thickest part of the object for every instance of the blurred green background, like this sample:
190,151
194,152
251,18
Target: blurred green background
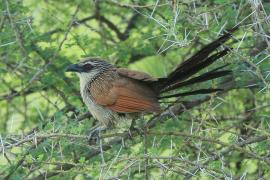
44,124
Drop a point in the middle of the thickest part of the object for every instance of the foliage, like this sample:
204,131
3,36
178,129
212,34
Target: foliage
44,125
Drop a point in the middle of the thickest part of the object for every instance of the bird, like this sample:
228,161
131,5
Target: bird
113,95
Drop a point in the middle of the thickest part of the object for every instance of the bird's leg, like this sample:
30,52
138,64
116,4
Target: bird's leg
94,134
133,128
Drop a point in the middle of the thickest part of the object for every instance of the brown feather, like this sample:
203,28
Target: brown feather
135,74
125,94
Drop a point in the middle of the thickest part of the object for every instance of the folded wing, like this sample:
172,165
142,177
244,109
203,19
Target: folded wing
126,94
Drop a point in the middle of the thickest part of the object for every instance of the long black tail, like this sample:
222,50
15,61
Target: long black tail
182,75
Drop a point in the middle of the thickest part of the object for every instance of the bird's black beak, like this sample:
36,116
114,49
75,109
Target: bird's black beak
73,68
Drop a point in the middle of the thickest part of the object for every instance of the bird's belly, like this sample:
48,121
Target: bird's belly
106,116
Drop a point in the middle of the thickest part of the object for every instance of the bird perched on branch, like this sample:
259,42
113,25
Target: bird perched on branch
117,94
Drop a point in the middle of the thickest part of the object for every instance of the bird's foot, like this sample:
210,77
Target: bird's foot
133,130
94,135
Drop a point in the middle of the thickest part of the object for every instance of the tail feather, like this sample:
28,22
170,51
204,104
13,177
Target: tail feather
213,74
194,69
202,78
200,91
181,76
203,53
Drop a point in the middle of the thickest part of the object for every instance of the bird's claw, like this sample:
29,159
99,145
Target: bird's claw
134,129
94,135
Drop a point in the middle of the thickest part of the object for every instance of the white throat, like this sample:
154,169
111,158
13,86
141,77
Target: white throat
86,78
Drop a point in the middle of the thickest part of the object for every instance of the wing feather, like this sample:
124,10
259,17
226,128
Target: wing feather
125,95
135,74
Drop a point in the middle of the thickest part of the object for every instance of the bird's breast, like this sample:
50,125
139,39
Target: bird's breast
102,114
100,87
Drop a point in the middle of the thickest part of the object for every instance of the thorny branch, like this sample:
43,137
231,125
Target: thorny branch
244,144
175,110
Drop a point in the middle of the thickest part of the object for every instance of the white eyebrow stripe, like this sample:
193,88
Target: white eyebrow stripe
89,62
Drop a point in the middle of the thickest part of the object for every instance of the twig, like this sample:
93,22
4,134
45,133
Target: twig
19,38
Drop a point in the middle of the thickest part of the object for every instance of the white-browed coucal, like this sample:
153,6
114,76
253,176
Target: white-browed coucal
117,94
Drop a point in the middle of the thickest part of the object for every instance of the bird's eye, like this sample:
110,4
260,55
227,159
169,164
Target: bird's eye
87,66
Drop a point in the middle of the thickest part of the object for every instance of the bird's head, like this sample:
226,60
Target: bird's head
89,68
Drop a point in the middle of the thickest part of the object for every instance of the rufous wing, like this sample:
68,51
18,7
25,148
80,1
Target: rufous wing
126,95
135,75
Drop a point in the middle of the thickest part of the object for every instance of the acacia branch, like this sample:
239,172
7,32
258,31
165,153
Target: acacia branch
15,93
175,109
